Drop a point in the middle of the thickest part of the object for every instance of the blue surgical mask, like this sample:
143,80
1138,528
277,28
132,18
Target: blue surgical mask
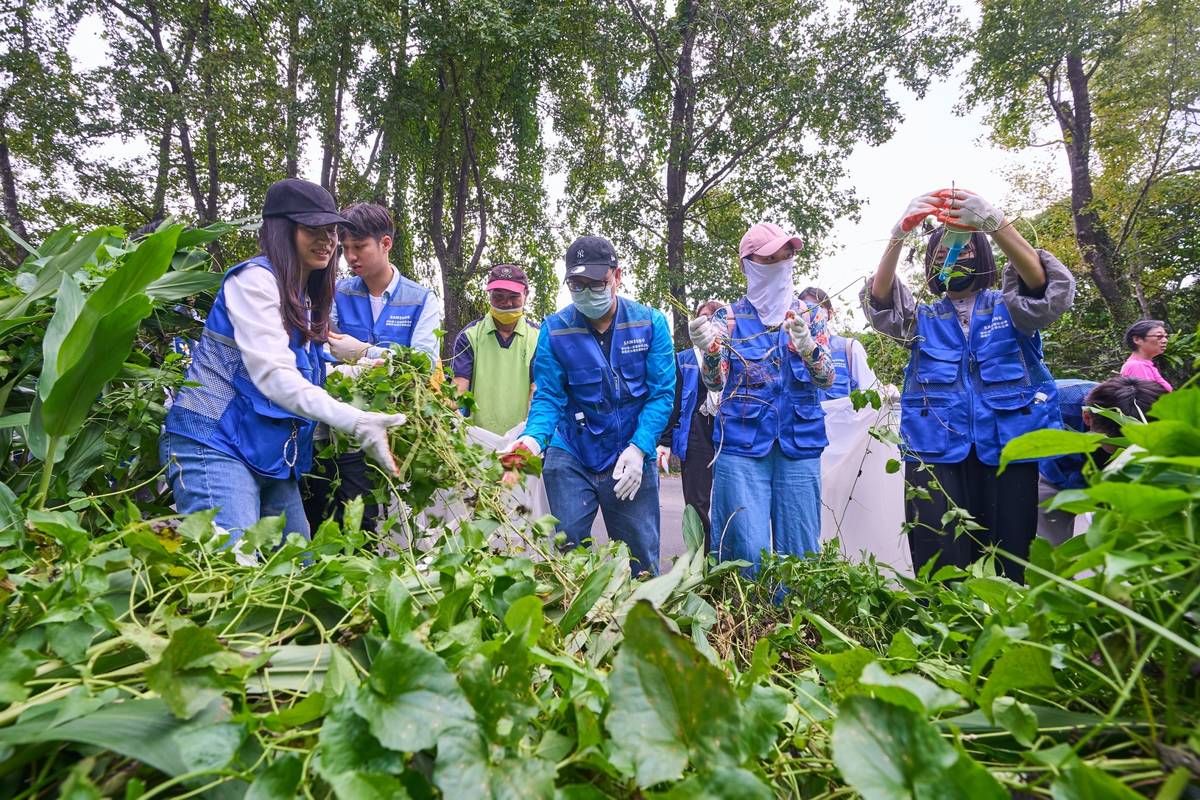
593,303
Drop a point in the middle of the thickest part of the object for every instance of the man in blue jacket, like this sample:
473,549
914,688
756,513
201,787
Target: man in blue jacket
605,375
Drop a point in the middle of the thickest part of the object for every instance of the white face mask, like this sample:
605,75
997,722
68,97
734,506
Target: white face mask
770,289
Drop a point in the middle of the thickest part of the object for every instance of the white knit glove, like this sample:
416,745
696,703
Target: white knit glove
703,332
966,209
918,209
345,347
799,334
526,443
627,474
371,431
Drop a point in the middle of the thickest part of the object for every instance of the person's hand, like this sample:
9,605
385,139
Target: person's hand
371,432
965,209
627,474
346,348
918,209
664,458
525,443
703,332
355,369
515,431
799,334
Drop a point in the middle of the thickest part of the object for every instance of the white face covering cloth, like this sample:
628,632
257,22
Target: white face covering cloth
770,289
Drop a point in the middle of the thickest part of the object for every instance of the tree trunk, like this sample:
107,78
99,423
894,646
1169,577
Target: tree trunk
8,183
1095,244
210,112
158,208
292,146
678,158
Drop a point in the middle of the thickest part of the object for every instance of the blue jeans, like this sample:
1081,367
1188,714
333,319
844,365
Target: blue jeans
575,494
771,503
203,478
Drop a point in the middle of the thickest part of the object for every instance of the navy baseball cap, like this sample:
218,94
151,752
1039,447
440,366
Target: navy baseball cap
303,202
591,257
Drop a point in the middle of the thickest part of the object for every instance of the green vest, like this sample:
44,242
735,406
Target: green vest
500,376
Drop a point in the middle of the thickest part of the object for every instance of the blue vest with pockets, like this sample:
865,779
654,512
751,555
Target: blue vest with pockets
690,393
843,382
228,413
769,395
396,321
605,396
981,391
1066,472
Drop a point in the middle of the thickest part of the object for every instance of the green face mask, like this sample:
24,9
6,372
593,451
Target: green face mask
507,316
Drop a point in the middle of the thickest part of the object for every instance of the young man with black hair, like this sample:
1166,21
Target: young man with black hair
1133,397
372,311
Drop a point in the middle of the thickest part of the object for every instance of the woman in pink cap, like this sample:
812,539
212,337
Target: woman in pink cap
768,357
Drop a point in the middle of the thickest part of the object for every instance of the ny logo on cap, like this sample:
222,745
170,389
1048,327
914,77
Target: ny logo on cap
579,254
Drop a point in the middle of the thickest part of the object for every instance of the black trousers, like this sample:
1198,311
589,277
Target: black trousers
333,482
697,474
1005,505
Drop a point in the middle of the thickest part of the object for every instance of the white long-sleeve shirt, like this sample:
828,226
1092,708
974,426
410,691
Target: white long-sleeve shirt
252,299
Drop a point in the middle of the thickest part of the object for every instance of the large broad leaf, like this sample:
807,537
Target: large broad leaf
412,698
718,784
887,752
15,669
1167,438
1048,442
278,781
1081,782
189,674
178,285
50,276
347,746
141,729
1140,502
464,769
670,705
589,593
1020,667
1182,406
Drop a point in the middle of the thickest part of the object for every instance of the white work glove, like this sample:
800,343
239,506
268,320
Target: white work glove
664,458
516,430
354,370
345,347
918,209
966,209
799,334
525,442
371,431
703,332
627,474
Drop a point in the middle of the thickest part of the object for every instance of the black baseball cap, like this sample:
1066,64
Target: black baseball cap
303,202
592,257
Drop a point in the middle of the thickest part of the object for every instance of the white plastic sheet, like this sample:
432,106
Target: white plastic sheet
862,504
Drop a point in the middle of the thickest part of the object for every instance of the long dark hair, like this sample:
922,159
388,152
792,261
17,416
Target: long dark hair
1140,330
305,309
985,262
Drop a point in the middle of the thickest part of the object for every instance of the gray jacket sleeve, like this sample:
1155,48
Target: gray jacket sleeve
1035,310
896,318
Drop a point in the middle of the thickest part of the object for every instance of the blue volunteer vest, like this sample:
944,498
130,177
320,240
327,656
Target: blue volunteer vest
604,395
396,321
769,396
228,413
981,391
689,373
1066,472
844,382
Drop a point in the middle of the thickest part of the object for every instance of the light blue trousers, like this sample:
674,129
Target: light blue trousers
771,503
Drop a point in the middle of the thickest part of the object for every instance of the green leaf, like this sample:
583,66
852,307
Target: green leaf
210,747
1022,666
188,675
909,690
719,784
670,706
762,714
693,531
591,591
15,669
1166,438
525,618
888,752
1082,782
60,266
12,519
366,786
413,698
279,781
64,527
1182,405
1048,442
1139,502
464,769
1017,718
78,785
345,744
178,285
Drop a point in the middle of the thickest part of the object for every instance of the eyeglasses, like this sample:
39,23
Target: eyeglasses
580,284
1158,336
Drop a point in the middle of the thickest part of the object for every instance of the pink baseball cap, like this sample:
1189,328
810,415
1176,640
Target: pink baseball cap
764,239
509,277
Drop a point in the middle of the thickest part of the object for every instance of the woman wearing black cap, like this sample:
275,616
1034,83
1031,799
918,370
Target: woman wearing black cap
239,439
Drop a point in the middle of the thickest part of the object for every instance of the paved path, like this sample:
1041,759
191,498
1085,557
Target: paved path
670,499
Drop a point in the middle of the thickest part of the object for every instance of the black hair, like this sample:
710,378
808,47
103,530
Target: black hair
1140,330
367,219
822,298
1133,397
305,309
985,262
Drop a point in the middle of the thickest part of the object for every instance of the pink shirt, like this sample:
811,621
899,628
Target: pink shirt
1136,367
